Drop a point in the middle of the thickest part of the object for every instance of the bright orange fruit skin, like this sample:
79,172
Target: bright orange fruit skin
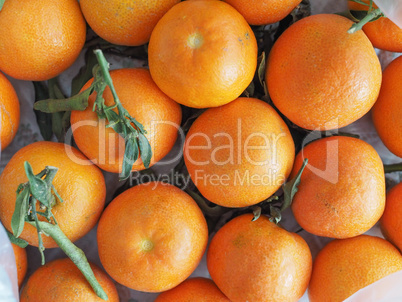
391,220
60,280
21,261
202,53
259,261
344,266
125,22
79,183
194,290
152,237
40,39
383,33
9,112
319,76
342,189
160,116
239,154
257,12
387,111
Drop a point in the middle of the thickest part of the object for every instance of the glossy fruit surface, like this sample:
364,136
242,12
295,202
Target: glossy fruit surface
257,12
202,53
40,39
125,22
259,261
60,280
80,184
342,189
391,220
387,110
194,290
152,237
319,76
344,266
9,112
239,154
144,101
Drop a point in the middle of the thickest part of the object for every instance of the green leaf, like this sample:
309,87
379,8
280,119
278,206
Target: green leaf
20,212
2,3
17,241
130,156
76,102
38,186
290,188
43,119
145,150
114,121
85,73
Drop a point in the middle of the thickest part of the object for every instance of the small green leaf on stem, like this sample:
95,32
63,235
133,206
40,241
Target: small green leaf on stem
2,3
17,241
290,188
20,212
76,102
371,16
130,156
37,186
256,213
145,150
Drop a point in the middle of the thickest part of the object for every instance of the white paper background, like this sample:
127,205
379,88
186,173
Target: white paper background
29,132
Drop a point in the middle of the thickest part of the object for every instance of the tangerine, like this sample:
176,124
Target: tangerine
391,219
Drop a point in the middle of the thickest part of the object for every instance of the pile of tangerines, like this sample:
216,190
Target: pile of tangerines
239,150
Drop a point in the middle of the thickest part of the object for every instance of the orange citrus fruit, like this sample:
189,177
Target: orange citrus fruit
152,237
79,183
160,116
60,280
21,261
387,111
239,154
257,12
342,189
391,220
125,22
193,290
383,33
9,112
40,39
202,53
259,261
344,266
319,76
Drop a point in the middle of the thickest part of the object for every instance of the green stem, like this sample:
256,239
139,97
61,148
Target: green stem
104,65
209,211
393,168
74,253
372,15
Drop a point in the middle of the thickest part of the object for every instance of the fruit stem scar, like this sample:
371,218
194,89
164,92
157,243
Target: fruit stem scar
147,245
195,40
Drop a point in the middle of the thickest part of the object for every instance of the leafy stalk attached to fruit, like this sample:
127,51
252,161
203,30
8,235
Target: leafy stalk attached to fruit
363,17
118,118
35,199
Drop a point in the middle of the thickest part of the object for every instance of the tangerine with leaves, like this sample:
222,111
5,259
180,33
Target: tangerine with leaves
259,261
151,237
320,76
79,183
344,266
387,110
383,33
125,22
139,95
194,290
9,112
202,53
391,220
240,153
40,39
342,189
257,12
60,280
21,260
